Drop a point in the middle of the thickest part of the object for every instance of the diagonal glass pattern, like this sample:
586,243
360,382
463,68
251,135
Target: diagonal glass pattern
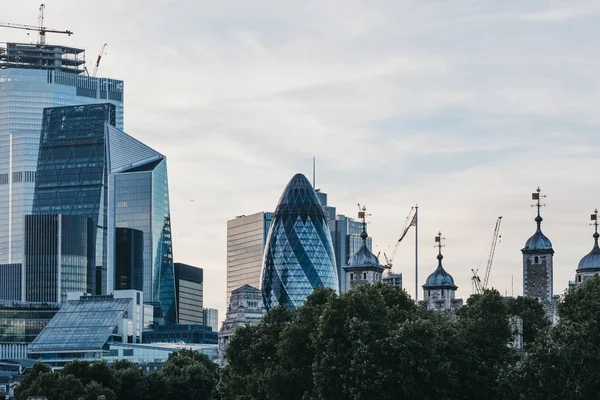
298,254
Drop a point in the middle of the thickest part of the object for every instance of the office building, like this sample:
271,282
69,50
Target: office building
211,318
129,259
90,168
10,284
393,279
182,333
32,77
58,254
246,237
299,253
245,308
20,324
85,326
189,294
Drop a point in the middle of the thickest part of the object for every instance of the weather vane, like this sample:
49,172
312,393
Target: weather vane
594,217
438,241
538,196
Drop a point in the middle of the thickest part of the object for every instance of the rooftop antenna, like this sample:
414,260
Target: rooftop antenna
512,286
314,168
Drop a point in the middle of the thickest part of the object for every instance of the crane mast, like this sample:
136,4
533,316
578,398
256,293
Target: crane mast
478,285
41,29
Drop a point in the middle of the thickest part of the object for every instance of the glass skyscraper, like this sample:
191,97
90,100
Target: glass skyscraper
299,253
89,167
32,77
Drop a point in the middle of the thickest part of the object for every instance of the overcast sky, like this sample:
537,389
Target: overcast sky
462,107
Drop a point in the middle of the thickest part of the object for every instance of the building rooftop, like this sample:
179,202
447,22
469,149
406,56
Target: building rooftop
42,56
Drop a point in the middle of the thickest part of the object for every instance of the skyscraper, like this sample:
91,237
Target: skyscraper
246,237
88,167
32,77
298,254
190,296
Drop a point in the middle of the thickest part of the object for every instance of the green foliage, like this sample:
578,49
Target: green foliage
186,375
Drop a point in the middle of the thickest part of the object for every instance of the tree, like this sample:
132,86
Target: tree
190,375
535,321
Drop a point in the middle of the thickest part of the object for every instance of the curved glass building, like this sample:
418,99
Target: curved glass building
298,253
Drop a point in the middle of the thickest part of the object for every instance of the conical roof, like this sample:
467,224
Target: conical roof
299,197
538,242
592,260
440,279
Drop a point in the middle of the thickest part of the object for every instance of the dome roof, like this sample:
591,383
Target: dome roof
364,258
538,241
592,260
299,197
440,278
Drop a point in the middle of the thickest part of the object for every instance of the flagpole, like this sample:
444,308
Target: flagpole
416,254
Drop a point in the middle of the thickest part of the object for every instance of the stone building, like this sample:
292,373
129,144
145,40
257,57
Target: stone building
364,267
590,264
537,265
439,290
245,307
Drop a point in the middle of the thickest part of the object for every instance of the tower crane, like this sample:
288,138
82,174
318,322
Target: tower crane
407,224
41,29
98,60
478,285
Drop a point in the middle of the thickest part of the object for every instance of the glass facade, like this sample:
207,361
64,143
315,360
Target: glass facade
141,201
25,90
189,293
81,325
129,259
299,253
89,167
246,238
57,256
23,322
10,284
71,177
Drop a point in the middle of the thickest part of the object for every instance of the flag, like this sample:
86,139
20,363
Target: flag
437,239
594,217
413,222
535,196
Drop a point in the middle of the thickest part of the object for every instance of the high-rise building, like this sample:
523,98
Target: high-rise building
189,294
88,167
211,318
32,77
393,279
59,252
246,237
299,253
537,264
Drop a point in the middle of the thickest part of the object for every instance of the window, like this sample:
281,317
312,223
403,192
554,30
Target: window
127,352
536,260
579,278
364,275
351,276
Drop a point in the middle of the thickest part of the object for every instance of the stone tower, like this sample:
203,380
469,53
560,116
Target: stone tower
363,268
590,264
537,263
439,290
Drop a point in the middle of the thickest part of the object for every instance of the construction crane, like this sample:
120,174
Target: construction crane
41,29
389,262
479,286
98,60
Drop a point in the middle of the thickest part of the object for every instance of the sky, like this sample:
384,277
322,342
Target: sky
462,107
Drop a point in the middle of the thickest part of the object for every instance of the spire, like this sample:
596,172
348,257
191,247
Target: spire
538,196
594,217
439,245
362,215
